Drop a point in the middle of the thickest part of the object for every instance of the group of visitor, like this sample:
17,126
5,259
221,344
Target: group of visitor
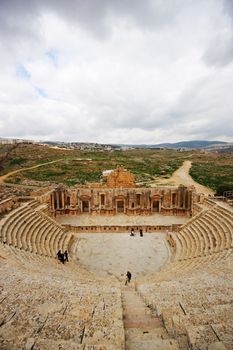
134,234
128,274
62,256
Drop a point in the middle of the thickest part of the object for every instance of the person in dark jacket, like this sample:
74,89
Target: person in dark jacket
62,259
59,254
128,277
66,255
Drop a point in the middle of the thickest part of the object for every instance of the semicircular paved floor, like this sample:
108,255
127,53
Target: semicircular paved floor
115,253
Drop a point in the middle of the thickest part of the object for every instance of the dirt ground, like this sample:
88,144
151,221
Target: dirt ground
181,177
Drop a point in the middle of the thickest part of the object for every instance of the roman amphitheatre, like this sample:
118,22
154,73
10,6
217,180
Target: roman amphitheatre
181,292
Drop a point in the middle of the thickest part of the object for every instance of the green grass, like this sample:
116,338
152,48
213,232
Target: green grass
210,169
17,161
144,164
216,176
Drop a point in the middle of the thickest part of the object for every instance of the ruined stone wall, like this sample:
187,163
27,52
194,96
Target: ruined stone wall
120,178
130,201
8,204
120,229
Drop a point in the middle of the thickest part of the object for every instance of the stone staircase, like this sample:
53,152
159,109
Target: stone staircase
45,305
143,330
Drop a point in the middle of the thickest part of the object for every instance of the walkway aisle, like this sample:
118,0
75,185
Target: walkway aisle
142,331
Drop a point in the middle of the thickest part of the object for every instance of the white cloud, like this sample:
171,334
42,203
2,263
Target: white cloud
116,72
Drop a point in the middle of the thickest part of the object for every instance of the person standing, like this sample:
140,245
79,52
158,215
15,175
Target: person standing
66,255
62,258
128,277
59,254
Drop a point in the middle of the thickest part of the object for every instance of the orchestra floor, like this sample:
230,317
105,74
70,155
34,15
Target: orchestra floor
116,253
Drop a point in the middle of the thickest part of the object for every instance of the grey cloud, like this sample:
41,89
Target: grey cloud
18,17
220,52
228,8
148,13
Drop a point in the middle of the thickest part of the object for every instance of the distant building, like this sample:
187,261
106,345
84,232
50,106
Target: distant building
9,141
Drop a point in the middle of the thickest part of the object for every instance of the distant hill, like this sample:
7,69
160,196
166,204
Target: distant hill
184,144
195,144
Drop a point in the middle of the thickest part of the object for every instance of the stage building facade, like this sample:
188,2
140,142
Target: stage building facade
120,194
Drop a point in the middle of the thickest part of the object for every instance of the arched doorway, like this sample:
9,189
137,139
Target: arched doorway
85,204
155,204
120,204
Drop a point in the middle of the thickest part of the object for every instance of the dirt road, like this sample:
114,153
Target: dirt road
4,177
181,177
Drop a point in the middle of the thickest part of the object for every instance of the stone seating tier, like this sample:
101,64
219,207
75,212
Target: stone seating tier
6,221
192,295
29,229
221,229
60,304
194,298
208,232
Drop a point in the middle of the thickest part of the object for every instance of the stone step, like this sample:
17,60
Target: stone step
159,332
50,344
142,343
141,323
143,331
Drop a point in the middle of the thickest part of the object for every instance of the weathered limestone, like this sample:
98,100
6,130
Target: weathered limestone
121,195
47,305
29,229
194,294
120,178
209,232
7,205
143,331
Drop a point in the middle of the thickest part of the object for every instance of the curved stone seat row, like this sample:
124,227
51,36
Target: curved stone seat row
56,306
34,204
189,266
207,233
194,299
31,230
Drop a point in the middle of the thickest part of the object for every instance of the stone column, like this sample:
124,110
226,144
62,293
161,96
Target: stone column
148,200
178,199
189,200
78,200
142,204
52,201
63,199
57,200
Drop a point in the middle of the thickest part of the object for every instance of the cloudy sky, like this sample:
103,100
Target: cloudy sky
116,71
